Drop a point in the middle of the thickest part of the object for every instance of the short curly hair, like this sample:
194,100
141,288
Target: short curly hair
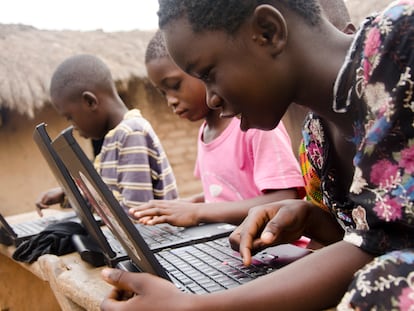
79,73
228,15
156,48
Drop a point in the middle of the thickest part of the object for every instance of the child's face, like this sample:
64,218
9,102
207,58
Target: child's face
241,77
81,116
185,94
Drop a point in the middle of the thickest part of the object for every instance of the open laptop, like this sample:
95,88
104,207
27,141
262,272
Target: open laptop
200,267
158,237
14,234
81,207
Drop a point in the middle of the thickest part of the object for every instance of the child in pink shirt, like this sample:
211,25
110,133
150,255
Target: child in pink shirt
240,165
238,169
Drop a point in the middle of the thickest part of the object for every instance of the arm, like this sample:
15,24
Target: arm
197,198
50,197
319,283
235,212
181,213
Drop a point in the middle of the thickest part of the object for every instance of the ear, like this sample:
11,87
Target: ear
270,28
349,29
90,99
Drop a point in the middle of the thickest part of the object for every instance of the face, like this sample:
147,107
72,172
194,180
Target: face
241,77
185,94
81,115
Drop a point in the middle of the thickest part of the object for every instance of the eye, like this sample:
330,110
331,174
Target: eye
176,86
173,85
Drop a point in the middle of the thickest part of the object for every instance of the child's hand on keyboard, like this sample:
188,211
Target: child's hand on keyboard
49,197
270,224
175,212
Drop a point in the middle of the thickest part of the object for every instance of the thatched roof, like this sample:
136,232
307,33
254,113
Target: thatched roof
30,55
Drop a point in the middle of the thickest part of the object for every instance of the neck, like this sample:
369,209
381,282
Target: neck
328,48
117,112
214,125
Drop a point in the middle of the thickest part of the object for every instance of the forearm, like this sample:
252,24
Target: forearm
196,198
322,227
311,283
235,212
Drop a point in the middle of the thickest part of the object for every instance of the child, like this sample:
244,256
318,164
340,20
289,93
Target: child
132,161
255,168
359,139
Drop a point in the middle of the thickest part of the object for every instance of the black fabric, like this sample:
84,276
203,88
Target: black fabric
54,239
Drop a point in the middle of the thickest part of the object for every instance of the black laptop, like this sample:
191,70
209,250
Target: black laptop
158,237
199,267
14,234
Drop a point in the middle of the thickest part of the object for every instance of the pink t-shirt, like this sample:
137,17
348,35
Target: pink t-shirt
241,165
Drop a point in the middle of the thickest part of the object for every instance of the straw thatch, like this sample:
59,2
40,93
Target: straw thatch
30,55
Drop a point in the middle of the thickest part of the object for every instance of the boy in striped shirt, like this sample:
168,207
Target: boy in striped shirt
132,161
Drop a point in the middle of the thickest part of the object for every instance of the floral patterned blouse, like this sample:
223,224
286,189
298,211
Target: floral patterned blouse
376,84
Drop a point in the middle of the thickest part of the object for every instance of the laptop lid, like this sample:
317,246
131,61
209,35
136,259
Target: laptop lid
7,234
105,204
75,197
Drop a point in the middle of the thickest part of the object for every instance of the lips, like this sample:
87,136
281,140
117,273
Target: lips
180,112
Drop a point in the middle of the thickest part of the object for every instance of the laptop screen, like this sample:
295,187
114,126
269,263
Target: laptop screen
76,199
105,204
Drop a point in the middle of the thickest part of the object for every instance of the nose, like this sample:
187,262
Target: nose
213,100
172,101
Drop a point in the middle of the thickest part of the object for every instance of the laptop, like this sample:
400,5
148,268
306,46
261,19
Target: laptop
200,267
14,234
81,207
158,237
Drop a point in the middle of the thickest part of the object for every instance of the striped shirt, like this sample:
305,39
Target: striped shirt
133,163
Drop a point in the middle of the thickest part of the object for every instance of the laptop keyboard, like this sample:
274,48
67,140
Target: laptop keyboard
37,225
154,236
161,234
114,243
209,267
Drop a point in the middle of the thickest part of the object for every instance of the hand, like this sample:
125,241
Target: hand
49,197
175,212
270,224
140,291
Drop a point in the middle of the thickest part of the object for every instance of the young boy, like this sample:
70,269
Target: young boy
132,161
255,168
359,139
